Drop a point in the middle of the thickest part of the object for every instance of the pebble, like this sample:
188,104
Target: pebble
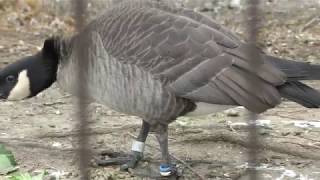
69,175
232,112
56,144
121,176
58,112
264,132
297,133
100,141
285,133
235,4
21,42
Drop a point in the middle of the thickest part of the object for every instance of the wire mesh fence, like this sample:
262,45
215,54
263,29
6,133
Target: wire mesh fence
253,28
84,153
80,9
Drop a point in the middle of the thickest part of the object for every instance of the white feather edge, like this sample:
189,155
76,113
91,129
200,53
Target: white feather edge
206,108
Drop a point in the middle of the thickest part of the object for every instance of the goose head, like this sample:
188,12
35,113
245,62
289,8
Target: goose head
30,75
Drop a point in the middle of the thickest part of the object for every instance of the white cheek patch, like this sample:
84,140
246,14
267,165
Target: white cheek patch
22,88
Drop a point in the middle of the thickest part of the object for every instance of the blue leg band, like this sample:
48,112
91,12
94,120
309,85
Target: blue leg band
165,170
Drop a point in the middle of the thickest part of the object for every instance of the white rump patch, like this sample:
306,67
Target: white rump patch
205,109
22,88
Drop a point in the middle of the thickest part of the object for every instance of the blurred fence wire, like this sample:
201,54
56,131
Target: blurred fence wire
253,16
80,8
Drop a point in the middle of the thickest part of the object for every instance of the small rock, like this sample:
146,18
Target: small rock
58,112
145,164
264,123
232,112
226,175
52,125
264,132
56,175
235,4
68,175
285,133
276,157
121,176
75,175
11,50
297,133
21,42
100,141
57,144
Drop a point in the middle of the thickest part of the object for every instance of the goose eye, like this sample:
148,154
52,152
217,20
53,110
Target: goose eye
10,78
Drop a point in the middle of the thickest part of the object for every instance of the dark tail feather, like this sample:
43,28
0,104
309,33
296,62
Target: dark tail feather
295,70
300,93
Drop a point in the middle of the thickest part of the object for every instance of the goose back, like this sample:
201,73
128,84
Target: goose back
154,61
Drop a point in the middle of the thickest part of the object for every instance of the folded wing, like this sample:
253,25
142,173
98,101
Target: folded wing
195,57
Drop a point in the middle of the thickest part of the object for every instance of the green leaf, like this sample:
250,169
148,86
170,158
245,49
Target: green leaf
7,161
21,176
3,150
27,176
39,176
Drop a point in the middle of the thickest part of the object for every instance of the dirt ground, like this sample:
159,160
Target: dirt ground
41,131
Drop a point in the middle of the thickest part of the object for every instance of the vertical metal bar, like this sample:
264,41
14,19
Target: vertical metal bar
253,146
253,23
83,152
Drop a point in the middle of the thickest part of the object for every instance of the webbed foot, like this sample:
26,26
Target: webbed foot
125,161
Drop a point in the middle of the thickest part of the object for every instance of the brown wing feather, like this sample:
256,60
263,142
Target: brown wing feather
196,58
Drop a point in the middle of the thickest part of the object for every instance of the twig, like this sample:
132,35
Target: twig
97,131
284,116
289,116
176,158
303,145
65,96
316,144
316,141
310,23
227,136
92,131
53,103
32,145
230,126
295,138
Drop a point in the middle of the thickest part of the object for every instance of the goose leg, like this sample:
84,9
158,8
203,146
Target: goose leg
166,168
129,161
